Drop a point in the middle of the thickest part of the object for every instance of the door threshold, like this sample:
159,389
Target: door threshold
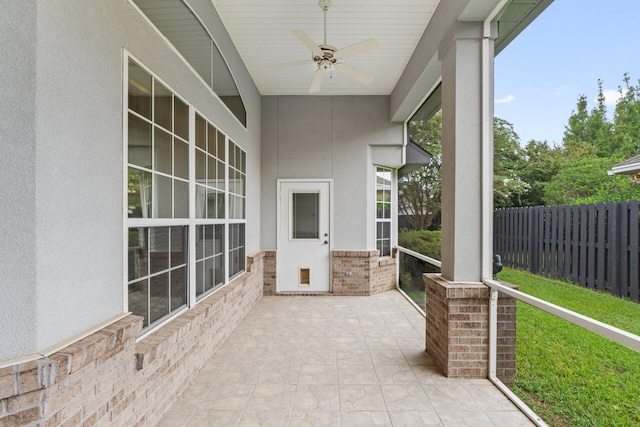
304,294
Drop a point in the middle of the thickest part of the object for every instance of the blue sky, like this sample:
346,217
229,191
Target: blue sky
561,55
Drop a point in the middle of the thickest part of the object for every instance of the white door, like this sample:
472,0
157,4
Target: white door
303,256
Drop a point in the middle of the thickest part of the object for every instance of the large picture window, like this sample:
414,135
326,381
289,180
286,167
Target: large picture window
383,211
162,135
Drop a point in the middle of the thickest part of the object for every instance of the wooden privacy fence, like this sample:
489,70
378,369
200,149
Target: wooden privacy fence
595,246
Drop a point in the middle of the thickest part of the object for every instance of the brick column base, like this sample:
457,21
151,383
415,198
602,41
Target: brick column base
457,329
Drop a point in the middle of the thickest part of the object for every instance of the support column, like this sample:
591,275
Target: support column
467,123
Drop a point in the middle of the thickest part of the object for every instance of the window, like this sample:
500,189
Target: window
192,40
383,211
237,208
159,211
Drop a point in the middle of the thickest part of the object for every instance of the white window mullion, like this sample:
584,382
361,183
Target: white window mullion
227,244
192,209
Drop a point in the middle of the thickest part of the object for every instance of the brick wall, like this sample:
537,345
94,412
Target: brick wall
269,273
384,276
362,273
506,345
457,329
353,273
109,379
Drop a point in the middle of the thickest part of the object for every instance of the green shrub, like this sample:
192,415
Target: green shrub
425,242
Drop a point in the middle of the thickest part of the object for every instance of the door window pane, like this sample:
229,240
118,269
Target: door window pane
305,216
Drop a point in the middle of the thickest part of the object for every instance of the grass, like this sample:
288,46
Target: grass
570,376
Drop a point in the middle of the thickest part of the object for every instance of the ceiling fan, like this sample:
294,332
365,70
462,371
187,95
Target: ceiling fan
327,57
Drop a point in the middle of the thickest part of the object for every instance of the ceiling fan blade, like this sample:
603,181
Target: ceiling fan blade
288,64
317,81
357,48
354,73
308,42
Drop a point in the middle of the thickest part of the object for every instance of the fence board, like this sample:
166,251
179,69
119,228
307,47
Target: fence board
623,247
575,243
566,270
582,275
634,251
591,246
595,246
601,247
611,225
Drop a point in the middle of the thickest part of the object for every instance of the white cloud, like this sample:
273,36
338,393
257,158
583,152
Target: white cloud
560,90
611,97
507,99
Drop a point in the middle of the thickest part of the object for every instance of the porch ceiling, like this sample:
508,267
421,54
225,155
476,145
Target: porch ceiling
261,31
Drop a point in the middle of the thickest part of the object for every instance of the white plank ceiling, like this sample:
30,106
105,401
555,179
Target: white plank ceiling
261,31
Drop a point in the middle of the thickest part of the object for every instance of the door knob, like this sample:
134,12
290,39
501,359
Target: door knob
326,242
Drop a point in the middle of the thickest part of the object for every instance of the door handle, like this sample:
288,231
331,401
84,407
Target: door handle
326,242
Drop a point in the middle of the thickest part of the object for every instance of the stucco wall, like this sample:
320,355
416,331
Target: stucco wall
17,175
326,137
67,273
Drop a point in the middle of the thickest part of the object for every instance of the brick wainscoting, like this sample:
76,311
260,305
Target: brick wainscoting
353,273
109,379
457,329
362,273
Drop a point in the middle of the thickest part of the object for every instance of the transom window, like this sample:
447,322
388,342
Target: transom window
189,37
383,211
160,212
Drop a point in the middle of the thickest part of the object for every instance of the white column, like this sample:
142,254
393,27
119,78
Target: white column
467,124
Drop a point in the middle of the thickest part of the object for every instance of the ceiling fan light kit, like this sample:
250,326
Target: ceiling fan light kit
327,57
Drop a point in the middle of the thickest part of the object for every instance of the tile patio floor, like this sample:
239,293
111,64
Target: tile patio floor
334,361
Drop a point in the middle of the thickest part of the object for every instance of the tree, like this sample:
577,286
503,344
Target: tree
539,164
592,145
577,180
508,187
419,192
588,132
625,140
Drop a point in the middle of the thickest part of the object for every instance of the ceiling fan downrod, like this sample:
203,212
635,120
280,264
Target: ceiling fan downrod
325,5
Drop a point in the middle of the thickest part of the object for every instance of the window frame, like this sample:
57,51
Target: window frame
383,220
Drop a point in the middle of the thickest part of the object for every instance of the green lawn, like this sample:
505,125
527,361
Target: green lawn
570,376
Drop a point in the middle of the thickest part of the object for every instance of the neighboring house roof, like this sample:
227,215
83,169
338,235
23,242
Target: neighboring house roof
628,167
417,157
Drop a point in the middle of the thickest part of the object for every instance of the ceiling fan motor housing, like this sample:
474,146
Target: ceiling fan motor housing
326,60
324,4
